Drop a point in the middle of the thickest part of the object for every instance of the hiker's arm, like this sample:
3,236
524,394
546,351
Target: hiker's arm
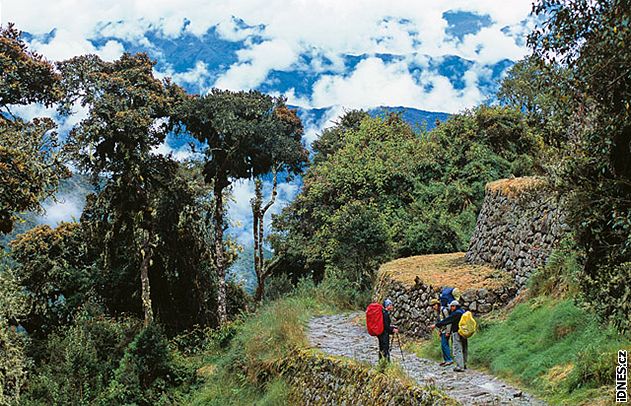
447,320
447,326
387,323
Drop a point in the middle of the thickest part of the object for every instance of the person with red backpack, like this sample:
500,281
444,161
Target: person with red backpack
379,324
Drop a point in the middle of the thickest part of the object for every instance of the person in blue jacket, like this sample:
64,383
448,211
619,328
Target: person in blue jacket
460,342
442,312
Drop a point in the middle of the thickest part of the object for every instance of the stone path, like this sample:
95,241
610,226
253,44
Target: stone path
339,335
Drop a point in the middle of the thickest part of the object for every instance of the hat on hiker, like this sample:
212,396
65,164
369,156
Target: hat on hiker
454,303
387,303
434,301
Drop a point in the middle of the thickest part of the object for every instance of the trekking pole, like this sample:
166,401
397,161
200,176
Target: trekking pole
402,357
400,349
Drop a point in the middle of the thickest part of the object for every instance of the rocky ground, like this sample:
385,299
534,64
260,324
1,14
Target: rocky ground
339,335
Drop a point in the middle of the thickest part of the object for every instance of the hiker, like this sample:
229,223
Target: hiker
384,338
442,312
460,342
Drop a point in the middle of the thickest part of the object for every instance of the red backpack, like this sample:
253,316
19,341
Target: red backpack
374,319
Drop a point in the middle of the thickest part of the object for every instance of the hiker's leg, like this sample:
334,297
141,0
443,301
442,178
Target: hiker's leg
458,350
465,350
387,347
381,346
444,345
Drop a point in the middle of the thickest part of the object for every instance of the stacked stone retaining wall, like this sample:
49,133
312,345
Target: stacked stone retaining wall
318,379
519,225
413,312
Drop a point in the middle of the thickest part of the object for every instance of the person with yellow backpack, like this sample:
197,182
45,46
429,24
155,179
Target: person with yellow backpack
463,326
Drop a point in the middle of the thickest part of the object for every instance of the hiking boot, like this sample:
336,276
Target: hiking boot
446,364
442,364
458,369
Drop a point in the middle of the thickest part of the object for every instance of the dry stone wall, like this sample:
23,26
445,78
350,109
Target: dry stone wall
519,224
517,228
318,379
413,312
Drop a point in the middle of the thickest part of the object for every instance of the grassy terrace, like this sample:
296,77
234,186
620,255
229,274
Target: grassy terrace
442,270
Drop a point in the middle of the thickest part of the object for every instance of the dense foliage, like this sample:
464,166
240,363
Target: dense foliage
378,190
72,295
577,86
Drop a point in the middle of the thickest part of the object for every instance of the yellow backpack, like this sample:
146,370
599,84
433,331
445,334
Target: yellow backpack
467,325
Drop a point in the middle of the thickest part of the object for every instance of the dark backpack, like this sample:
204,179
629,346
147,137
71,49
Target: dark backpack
374,319
446,296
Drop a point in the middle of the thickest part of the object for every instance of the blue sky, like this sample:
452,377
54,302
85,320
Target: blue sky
321,54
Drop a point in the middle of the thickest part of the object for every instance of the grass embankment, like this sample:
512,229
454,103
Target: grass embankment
552,348
233,371
444,270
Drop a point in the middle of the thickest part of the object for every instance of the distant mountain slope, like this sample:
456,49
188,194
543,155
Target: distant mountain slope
415,117
425,119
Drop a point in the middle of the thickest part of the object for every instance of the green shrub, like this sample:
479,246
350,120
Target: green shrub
78,361
559,276
147,371
278,286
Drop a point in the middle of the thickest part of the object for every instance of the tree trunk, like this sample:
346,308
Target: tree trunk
146,253
256,203
258,212
222,312
260,288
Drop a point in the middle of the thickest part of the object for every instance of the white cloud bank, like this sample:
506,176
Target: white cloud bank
288,29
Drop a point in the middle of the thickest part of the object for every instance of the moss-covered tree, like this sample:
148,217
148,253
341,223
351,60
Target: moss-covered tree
245,136
129,117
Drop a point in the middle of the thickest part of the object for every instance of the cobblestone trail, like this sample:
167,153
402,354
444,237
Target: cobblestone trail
339,335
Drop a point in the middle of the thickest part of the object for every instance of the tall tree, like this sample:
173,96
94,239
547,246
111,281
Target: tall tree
245,135
291,124
30,163
128,119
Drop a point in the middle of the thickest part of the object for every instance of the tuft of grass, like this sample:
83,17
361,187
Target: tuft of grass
514,187
444,270
559,276
226,388
556,349
394,370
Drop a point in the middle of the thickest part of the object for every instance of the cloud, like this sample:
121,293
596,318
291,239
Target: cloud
198,75
255,63
374,82
67,207
180,154
65,44
64,124
280,34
